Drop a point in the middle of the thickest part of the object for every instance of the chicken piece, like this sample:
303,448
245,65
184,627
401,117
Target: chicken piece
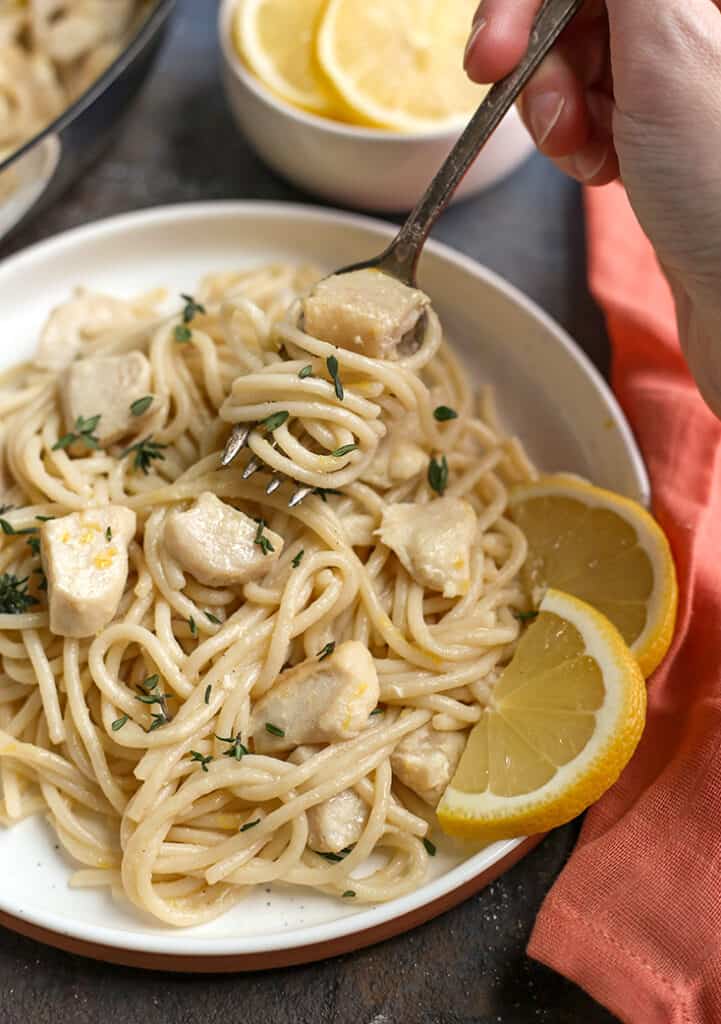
336,823
433,542
107,385
219,544
87,315
426,759
85,558
364,311
396,460
317,701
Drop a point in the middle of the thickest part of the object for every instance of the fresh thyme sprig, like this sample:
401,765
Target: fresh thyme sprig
204,759
83,433
149,696
9,530
236,750
261,540
145,451
295,562
274,730
191,308
307,371
14,597
326,651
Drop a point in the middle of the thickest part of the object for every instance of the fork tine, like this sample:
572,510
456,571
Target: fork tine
238,439
298,496
252,467
274,484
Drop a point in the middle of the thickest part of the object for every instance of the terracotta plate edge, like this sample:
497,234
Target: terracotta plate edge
227,963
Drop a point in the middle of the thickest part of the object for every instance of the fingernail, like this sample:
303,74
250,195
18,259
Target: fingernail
477,29
543,113
587,164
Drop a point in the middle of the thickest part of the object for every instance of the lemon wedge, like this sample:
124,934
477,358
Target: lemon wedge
276,39
399,65
565,718
605,549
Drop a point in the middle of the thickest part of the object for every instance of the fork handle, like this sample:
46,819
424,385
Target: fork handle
401,257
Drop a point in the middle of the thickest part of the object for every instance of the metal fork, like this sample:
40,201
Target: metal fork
400,258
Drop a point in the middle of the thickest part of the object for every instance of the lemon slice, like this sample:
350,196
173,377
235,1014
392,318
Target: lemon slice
276,39
400,65
606,550
565,718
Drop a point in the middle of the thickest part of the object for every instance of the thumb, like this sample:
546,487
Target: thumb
664,53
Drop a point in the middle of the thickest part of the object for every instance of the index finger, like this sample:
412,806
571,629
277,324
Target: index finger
500,33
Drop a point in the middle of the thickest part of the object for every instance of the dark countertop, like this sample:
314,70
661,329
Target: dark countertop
468,966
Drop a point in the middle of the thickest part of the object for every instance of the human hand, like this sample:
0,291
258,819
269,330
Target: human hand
634,88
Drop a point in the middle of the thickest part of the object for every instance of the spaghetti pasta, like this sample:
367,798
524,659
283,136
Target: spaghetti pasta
140,744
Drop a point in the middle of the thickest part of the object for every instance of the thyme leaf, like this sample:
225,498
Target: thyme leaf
332,364
345,449
274,421
141,405
326,651
438,474
444,413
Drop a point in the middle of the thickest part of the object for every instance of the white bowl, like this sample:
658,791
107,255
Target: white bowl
349,165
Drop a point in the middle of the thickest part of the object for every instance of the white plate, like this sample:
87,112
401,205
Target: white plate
548,393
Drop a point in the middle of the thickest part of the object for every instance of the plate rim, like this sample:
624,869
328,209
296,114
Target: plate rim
307,942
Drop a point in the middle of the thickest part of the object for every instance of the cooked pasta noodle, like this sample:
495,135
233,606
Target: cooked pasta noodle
51,51
136,743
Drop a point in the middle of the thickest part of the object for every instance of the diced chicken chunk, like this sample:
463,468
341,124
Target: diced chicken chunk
107,385
395,461
426,759
433,542
219,544
84,316
318,701
85,558
336,823
365,311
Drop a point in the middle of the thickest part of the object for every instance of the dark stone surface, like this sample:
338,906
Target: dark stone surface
469,966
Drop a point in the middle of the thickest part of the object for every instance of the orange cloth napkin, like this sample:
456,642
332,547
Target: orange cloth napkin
635,917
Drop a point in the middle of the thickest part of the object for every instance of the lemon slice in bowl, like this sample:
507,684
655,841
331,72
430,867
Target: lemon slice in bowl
605,549
400,65
565,718
276,39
